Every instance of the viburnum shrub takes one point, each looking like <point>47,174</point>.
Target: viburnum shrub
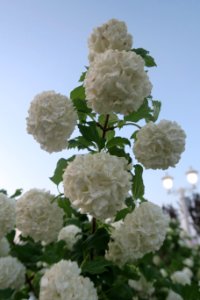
<point>99,238</point>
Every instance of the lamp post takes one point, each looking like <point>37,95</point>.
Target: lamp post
<point>192,178</point>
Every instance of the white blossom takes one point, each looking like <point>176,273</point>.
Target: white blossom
<point>69,234</point>
<point>143,287</point>
<point>173,296</point>
<point>188,262</point>
<point>12,273</point>
<point>143,231</point>
<point>181,277</point>
<point>116,82</point>
<point>38,216</point>
<point>7,214</point>
<point>159,146</point>
<point>63,281</point>
<point>51,120</point>
<point>97,183</point>
<point>110,35</point>
<point>4,247</point>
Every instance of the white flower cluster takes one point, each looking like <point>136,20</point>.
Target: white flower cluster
<point>173,296</point>
<point>4,247</point>
<point>51,120</point>
<point>143,287</point>
<point>143,231</point>
<point>182,277</point>
<point>97,183</point>
<point>116,82</point>
<point>111,35</point>
<point>38,217</point>
<point>70,234</point>
<point>159,146</point>
<point>12,273</point>
<point>63,281</point>
<point>7,214</point>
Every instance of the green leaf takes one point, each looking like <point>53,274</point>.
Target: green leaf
<point>156,109</point>
<point>149,60</point>
<point>144,112</point>
<point>78,93</point>
<point>18,192</point>
<point>118,141</point>
<point>81,106</point>
<point>119,152</point>
<point>82,77</point>
<point>65,204</point>
<point>80,142</point>
<point>113,119</point>
<point>6,294</point>
<point>90,133</point>
<point>120,291</point>
<point>29,254</point>
<point>97,266</point>
<point>98,240</point>
<point>134,135</point>
<point>110,134</point>
<point>3,192</point>
<point>54,252</point>
<point>60,168</point>
<point>138,185</point>
<point>122,213</point>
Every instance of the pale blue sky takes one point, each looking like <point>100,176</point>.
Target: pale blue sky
<point>43,46</point>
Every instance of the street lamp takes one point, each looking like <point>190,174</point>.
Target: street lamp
<point>192,177</point>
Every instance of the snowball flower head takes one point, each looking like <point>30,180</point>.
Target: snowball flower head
<point>38,217</point>
<point>181,277</point>
<point>143,231</point>
<point>12,273</point>
<point>111,35</point>
<point>97,183</point>
<point>51,120</point>
<point>63,281</point>
<point>173,296</point>
<point>7,214</point>
<point>159,146</point>
<point>69,234</point>
<point>116,82</point>
<point>4,247</point>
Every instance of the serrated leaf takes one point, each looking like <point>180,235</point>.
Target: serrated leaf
<point>138,185</point>
<point>60,167</point>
